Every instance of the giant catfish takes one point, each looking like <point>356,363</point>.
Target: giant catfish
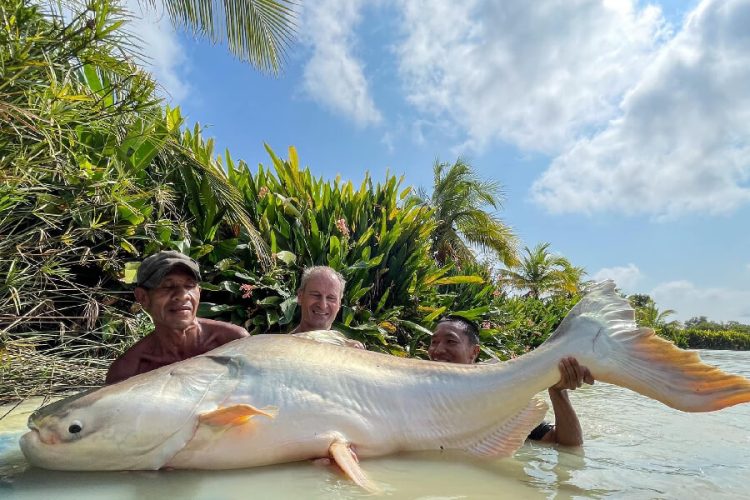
<point>271,399</point>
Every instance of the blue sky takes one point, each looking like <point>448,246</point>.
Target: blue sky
<point>620,130</point>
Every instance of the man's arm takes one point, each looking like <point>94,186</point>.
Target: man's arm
<point>125,366</point>
<point>220,332</point>
<point>567,429</point>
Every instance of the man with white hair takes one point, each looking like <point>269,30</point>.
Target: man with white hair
<point>319,297</point>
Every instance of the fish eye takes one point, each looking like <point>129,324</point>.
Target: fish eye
<point>75,427</point>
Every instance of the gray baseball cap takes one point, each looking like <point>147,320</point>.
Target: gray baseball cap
<point>154,267</point>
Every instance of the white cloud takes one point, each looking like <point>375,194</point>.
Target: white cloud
<point>626,277</point>
<point>535,74</point>
<point>334,76</point>
<point>387,141</point>
<point>717,304</point>
<point>165,58</point>
<point>682,142</point>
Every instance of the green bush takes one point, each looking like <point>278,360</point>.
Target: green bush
<point>79,128</point>
<point>715,339</point>
<point>518,324</point>
<point>374,235</point>
<point>95,174</point>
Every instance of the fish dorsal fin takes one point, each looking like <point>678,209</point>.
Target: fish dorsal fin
<point>235,415</point>
<point>504,439</point>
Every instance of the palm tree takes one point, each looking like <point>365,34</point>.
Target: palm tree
<point>648,314</point>
<point>542,272</point>
<point>257,31</point>
<point>458,201</point>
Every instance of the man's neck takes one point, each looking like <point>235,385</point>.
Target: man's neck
<point>302,328</point>
<point>176,341</point>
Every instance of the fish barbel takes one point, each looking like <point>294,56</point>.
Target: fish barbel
<point>271,399</point>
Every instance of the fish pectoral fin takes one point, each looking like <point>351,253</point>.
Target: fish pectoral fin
<point>235,415</point>
<point>504,439</point>
<point>341,453</point>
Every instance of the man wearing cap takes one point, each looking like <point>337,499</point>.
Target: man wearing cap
<point>168,290</point>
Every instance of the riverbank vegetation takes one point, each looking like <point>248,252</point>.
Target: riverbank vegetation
<point>96,173</point>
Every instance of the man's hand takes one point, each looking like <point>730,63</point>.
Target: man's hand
<point>572,375</point>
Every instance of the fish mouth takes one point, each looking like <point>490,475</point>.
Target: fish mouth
<point>35,434</point>
<point>28,442</point>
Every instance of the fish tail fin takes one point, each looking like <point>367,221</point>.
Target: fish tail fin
<point>602,333</point>
<point>655,367</point>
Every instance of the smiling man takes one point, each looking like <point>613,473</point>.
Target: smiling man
<point>319,298</point>
<point>168,290</point>
<point>456,340</point>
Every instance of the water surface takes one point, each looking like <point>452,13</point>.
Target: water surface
<point>635,448</point>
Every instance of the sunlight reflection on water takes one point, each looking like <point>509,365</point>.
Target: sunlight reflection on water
<point>635,448</point>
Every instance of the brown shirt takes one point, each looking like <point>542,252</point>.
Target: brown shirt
<point>149,353</point>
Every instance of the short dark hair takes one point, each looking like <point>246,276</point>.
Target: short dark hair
<point>470,328</point>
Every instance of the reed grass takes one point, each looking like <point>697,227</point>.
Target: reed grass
<point>26,373</point>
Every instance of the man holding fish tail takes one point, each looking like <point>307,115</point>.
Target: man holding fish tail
<point>456,340</point>
<point>167,287</point>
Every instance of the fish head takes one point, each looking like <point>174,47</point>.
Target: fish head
<point>137,424</point>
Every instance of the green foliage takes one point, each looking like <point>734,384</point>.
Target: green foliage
<point>698,332</point>
<point>703,323</point>
<point>648,314</point>
<point>519,324</point>
<point>93,175</point>
<point>96,174</point>
<point>78,128</point>
<point>540,273</point>
<point>257,31</point>
<point>372,234</point>
<point>458,201</point>
<point>714,339</point>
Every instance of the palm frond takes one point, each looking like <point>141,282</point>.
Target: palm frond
<point>256,31</point>
<point>225,195</point>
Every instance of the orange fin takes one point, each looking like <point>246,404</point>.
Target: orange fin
<point>235,415</point>
<point>655,367</point>
<point>502,441</point>
<point>603,329</point>
<point>342,454</point>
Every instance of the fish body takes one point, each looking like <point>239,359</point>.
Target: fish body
<point>272,399</point>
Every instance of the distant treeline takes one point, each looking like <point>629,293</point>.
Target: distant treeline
<point>700,333</point>
<point>703,323</point>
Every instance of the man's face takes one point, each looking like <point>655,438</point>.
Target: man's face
<point>451,344</point>
<point>320,301</point>
<point>174,303</point>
